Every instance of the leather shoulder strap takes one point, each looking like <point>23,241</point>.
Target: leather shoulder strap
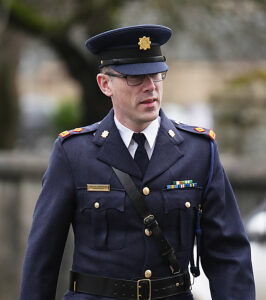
<point>149,220</point>
<point>133,193</point>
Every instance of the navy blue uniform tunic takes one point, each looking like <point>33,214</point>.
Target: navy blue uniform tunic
<point>109,237</point>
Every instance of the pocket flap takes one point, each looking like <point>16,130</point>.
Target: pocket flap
<point>181,199</point>
<point>103,200</point>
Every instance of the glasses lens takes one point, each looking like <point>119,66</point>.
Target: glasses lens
<point>138,79</point>
<point>135,79</point>
<point>163,74</point>
<point>158,76</point>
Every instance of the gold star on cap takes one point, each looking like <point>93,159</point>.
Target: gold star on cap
<point>144,43</point>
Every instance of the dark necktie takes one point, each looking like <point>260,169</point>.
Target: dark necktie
<point>141,156</point>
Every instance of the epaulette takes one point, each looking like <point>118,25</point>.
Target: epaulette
<point>198,130</point>
<point>80,130</point>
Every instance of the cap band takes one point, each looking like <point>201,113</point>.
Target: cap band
<point>124,61</point>
<point>130,56</point>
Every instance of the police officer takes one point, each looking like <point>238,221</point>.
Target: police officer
<point>177,173</point>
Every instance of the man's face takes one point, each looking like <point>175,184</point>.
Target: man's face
<point>136,106</point>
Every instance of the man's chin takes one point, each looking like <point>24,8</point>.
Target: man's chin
<point>149,117</point>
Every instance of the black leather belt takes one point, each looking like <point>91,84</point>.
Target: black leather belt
<point>142,289</point>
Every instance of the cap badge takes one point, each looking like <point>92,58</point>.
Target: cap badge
<point>144,43</point>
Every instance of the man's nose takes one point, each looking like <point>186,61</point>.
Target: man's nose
<point>148,83</point>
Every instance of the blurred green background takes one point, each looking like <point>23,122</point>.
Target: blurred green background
<point>216,78</point>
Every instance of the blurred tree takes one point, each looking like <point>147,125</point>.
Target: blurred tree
<point>66,115</point>
<point>204,29</point>
<point>8,98</point>
<point>63,24</point>
<point>240,115</point>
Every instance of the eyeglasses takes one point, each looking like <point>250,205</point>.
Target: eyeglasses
<point>133,80</point>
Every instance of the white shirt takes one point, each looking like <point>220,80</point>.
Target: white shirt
<point>150,133</point>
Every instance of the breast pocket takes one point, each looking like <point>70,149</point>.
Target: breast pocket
<point>102,219</point>
<point>180,207</point>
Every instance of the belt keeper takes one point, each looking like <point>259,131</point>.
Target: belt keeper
<point>150,221</point>
<point>75,286</point>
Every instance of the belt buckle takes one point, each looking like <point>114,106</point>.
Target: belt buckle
<point>139,287</point>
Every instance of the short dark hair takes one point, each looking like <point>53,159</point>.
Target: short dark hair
<point>105,69</point>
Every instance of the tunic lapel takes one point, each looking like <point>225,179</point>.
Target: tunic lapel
<point>166,151</point>
<point>112,149</point>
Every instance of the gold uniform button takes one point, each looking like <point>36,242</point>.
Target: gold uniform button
<point>148,232</point>
<point>146,191</point>
<point>148,274</point>
<point>187,204</point>
<point>96,204</point>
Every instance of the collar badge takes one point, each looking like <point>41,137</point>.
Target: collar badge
<point>105,134</point>
<point>171,133</point>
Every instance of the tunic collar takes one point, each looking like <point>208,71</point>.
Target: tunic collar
<point>150,132</point>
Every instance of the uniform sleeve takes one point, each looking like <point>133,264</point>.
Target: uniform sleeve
<point>225,251</point>
<point>51,220</point>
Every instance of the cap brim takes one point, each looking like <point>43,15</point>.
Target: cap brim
<point>141,68</point>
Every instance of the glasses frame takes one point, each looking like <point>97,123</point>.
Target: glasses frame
<point>140,76</point>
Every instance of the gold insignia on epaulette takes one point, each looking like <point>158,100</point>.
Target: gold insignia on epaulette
<point>64,133</point>
<point>105,134</point>
<point>144,43</point>
<point>199,129</point>
<point>78,129</point>
<point>212,134</point>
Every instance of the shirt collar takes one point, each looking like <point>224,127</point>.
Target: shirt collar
<point>150,132</point>
<point>126,133</point>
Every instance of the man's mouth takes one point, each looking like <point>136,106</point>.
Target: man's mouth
<point>148,101</point>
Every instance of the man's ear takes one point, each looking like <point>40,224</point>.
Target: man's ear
<point>104,84</point>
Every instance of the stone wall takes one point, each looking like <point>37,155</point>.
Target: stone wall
<point>20,185</point>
